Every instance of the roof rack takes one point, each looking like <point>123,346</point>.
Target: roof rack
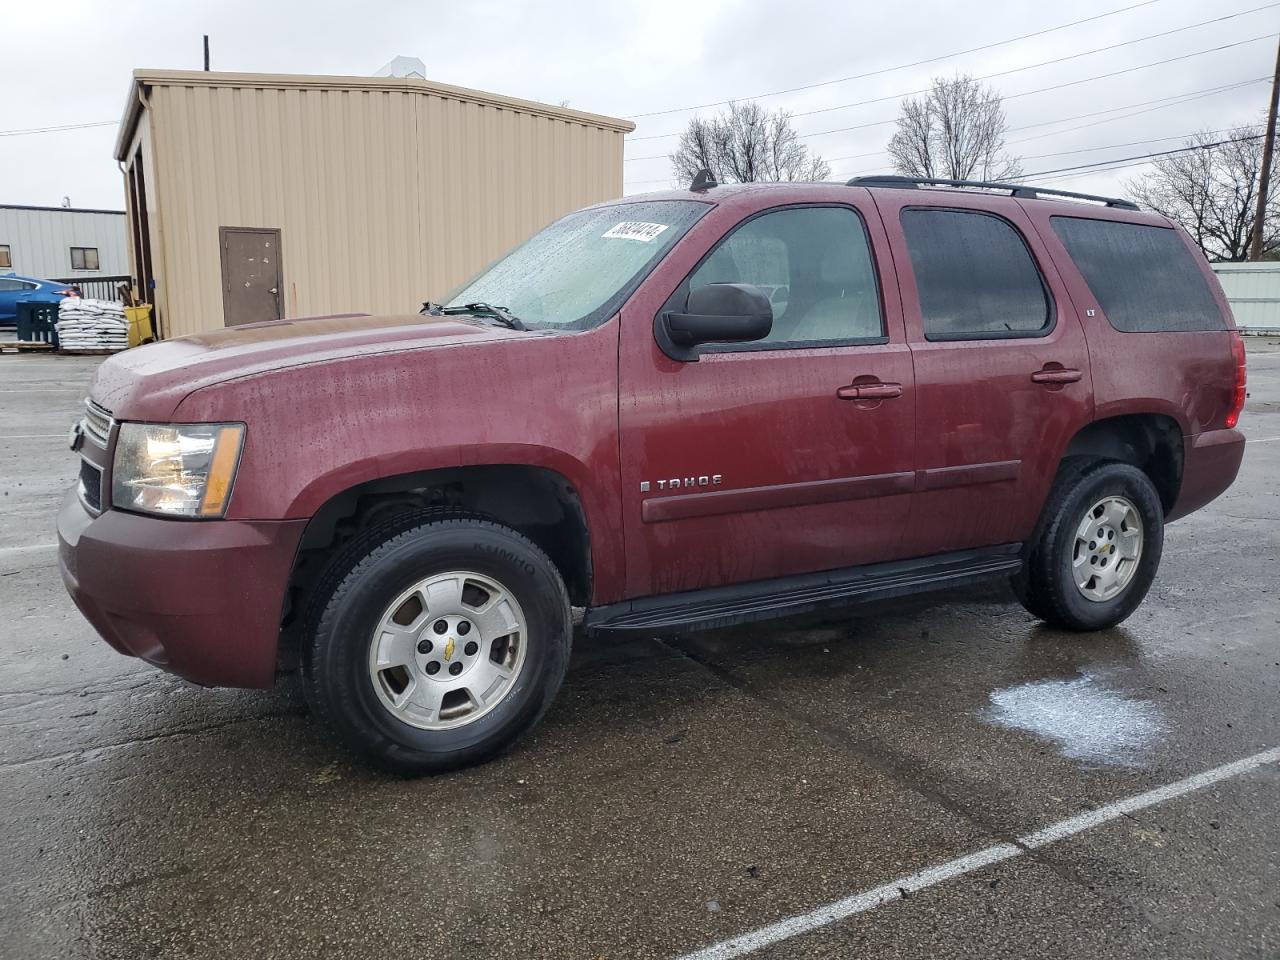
<point>1021,191</point>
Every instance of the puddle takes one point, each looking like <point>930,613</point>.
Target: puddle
<point>1083,717</point>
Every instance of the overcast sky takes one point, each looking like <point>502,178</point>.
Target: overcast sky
<point>65,62</point>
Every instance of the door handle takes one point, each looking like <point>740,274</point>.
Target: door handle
<point>870,391</point>
<point>275,290</point>
<point>1055,373</point>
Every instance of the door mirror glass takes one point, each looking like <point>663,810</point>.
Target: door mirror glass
<point>721,313</point>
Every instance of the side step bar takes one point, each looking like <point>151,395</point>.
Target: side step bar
<point>786,596</point>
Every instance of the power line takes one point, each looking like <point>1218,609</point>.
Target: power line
<point>1063,153</point>
<point>59,129</point>
<point>1012,96</point>
<point>1048,63</point>
<point>1178,100</point>
<point>1162,103</point>
<point>1123,161</point>
<point>1135,160</point>
<point>901,66</point>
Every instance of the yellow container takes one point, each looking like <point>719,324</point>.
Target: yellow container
<point>140,329</point>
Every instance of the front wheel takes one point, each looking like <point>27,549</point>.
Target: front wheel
<point>1099,549</point>
<point>439,644</point>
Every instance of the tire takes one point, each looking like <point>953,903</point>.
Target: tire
<point>368,616</point>
<point>1048,584</point>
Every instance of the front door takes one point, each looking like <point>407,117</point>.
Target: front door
<point>251,275</point>
<point>761,460</point>
<point>1002,369</point>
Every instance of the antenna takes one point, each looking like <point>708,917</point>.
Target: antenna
<point>703,181</point>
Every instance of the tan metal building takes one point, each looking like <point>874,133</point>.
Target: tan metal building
<point>257,196</point>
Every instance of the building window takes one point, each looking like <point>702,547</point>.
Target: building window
<point>5,259</point>
<point>84,258</point>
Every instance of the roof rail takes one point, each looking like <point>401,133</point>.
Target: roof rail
<point>1021,191</point>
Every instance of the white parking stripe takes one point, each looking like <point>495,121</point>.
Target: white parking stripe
<point>33,436</point>
<point>997,853</point>
<point>1263,440</point>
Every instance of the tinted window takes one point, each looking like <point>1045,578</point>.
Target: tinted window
<point>9,286</point>
<point>815,265</point>
<point>1143,277</point>
<point>975,276</point>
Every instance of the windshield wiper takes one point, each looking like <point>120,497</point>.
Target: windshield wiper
<point>501,314</point>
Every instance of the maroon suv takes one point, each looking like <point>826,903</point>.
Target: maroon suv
<point>681,410</point>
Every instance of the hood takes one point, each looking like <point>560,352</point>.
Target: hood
<point>148,383</point>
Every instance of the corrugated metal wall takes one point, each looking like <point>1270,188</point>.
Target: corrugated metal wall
<point>40,241</point>
<point>385,197</point>
<point>1253,290</point>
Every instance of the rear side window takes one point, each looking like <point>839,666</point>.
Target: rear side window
<point>975,276</point>
<point>1144,278</point>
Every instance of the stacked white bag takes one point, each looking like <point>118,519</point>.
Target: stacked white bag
<point>92,325</point>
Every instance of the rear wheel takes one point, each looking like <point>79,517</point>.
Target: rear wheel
<point>438,645</point>
<point>1099,547</point>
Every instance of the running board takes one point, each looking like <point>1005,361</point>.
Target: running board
<point>787,596</point>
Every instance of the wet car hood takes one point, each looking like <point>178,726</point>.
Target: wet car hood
<point>148,383</point>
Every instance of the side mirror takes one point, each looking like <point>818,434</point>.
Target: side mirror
<point>721,313</point>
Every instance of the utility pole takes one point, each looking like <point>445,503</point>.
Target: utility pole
<point>206,70</point>
<point>1268,148</point>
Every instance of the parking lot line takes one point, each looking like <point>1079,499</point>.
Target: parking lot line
<point>32,436</point>
<point>997,853</point>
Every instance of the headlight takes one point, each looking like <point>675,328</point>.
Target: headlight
<point>183,470</point>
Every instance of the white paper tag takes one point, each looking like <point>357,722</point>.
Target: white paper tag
<point>635,230</point>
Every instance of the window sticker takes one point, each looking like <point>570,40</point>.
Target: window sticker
<point>635,230</point>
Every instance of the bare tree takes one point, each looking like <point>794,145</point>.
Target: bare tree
<point>1213,192</point>
<point>746,144</point>
<point>955,131</point>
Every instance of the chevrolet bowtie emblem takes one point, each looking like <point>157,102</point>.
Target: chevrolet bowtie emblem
<point>448,649</point>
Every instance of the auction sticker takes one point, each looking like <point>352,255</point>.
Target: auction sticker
<point>635,230</point>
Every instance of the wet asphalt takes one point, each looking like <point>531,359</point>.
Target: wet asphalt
<point>680,792</point>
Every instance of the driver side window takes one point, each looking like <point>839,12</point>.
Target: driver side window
<point>814,264</point>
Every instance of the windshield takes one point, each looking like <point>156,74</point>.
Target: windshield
<point>575,273</point>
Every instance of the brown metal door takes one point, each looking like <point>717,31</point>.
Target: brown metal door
<point>250,274</point>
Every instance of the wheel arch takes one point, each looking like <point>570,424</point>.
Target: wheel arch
<point>1152,442</point>
<point>538,502</point>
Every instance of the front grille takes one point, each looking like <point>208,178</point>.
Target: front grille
<point>91,486</point>
<point>97,422</point>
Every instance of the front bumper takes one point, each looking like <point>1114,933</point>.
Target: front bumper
<point>201,599</point>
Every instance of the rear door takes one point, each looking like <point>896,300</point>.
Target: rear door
<point>1002,369</point>
<point>758,460</point>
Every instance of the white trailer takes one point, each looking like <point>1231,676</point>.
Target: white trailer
<point>1253,289</point>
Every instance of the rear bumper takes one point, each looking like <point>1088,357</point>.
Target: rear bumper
<point>201,599</point>
<point>1210,463</point>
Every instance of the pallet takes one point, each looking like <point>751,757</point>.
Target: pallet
<point>26,346</point>
<point>91,352</point>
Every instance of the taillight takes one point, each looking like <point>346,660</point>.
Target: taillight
<point>1237,394</point>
